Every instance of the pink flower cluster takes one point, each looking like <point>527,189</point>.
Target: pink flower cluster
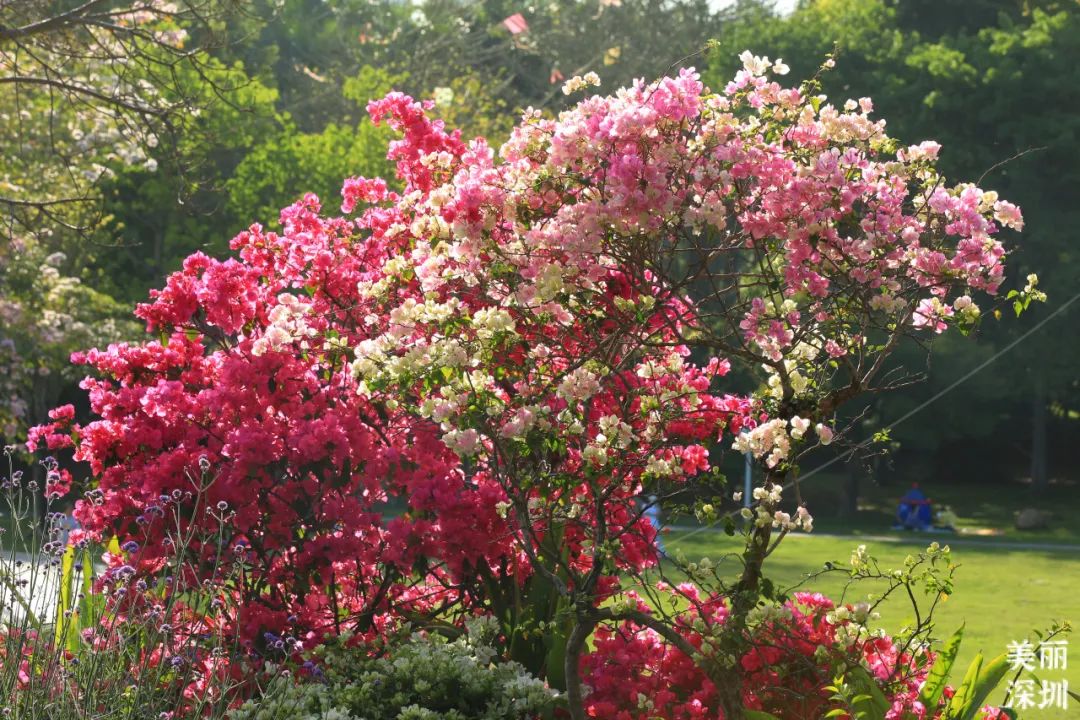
<point>500,353</point>
<point>797,654</point>
<point>304,461</point>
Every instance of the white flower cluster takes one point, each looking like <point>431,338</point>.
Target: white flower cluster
<point>860,558</point>
<point>769,440</point>
<point>549,282</point>
<point>396,354</point>
<point>422,679</point>
<point>851,622</point>
<point>288,324</point>
<point>802,520</point>
<point>490,322</point>
<point>580,82</point>
<point>580,384</point>
<point>886,302</point>
<point>756,65</point>
<point>765,513</point>
<point>768,495</point>
<point>800,355</point>
<point>772,440</point>
<point>768,614</point>
<point>1029,289</point>
<point>659,467</point>
<point>465,442</point>
<point>653,368</point>
<point>595,455</point>
<point>614,432</point>
<point>524,419</point>
<point>405,317</point>
<point>966,309</point>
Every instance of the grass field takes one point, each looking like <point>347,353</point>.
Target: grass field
<point>1002,594</point>
<point>983,511</point>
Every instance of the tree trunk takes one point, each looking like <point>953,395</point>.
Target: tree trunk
<point>1039,477</point>
<point>851,490</point>
<point>731,700</point>
<point>575,695</point>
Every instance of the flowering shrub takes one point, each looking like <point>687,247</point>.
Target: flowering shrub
<point>427,678</point>
<point>800,648</point>
<point>806,658</point>
<point>516,349</point>
<point>79,639</point>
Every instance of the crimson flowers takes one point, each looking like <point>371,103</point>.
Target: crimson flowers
<point>507,351</point>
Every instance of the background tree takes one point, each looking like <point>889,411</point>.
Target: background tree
<point>91,86</point>
<point>96,96</point>
<point>299,123</point>
<point>981,83</point>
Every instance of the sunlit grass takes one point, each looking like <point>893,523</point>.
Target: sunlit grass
<point>1001,595</point>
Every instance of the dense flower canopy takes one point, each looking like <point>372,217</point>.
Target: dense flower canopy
<point>475,376</point>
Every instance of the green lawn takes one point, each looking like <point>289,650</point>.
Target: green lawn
<point>1002,595</point>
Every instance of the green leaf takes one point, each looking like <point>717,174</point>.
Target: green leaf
<point>961,701</point>
<point>939,672</point>
<point>861,680</point>
<point>88,573</point>
<point>64,622</point>
<point>759,715</point>
<point>989,678</point>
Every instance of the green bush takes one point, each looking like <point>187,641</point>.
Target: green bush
<point>426,678</point>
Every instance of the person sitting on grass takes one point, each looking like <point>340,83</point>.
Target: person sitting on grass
<point>914,511</point>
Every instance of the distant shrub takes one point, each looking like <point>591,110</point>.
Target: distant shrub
<point>427,678</point>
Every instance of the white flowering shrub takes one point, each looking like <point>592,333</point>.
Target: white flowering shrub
<point>426,678</point>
